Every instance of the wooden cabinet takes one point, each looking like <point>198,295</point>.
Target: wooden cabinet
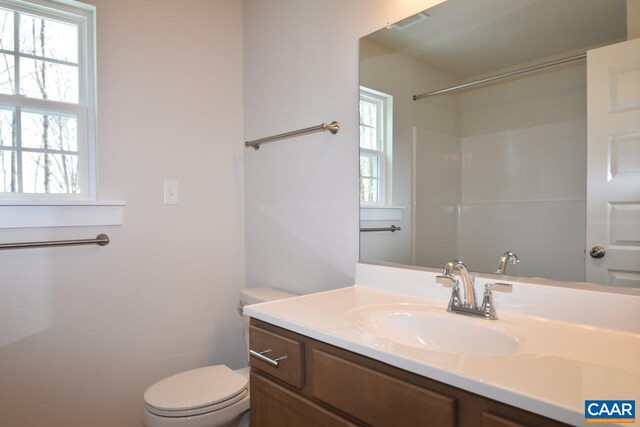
<point>322,385</point>
<point>273,405</point>
<point>490,420</point>
<point>377,398</point>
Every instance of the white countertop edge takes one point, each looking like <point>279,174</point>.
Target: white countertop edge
<point>535,405</point>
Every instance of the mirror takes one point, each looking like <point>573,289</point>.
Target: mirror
<point>494,167</point>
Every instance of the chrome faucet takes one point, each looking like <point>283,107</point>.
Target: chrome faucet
<point>468,304</point>
<point>468,281</point>
<point>506,257</point>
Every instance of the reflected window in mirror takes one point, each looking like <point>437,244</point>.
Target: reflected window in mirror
<point>376,123</point>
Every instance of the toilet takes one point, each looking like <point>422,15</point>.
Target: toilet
<point>213,396</point>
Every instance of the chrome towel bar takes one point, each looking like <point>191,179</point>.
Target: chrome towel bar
<point>501,76</point>
<point>332,127</point>
<point>391,229</point>
<point>100,240</point>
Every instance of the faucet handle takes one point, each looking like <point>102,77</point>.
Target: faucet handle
<point>488,305</point>
<point>447,280</point>
<point>497,286</point>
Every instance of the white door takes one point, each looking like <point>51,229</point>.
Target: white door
<point>613,164</point>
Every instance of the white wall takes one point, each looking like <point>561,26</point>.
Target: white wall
<point>85,330</point>
<point>301,69</point>
<point>437,195</point>
<point>554,95</point>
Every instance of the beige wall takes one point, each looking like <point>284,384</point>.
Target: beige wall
<point>85,330</point>
<point>301,69</point>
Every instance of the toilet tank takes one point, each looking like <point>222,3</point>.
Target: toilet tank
<point>258,295</point>
<point>254,296</point>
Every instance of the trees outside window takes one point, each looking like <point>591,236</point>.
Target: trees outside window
<point>47,125</point>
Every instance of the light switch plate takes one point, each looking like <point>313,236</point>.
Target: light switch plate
<point>171,192</point>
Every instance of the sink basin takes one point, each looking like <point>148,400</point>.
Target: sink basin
<point>435,330</point>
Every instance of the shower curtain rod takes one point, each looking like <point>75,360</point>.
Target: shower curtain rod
<point>501,76</point>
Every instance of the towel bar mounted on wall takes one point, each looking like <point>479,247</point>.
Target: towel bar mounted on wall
<point>391,229</point>
<point>100,240</point>
<point>332,127</point>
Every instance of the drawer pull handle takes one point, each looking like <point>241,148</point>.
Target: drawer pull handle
<point>261,356</point>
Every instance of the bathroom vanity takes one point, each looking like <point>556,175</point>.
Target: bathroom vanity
<point>324,385</point>
<point>386,352</point>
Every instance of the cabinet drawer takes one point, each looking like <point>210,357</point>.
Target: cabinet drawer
<point>274,346</point>
<point>375,398</point>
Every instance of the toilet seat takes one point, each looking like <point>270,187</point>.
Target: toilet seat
<point>198,411</point>
<point>196,392</point>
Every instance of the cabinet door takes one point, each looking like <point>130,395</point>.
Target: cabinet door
<point>377,399</point>
<point>274,406</point>
<point>490,420</point>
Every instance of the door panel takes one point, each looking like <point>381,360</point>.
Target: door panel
<point>613,163</point>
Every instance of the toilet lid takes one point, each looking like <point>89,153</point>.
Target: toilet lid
<point>238,399</point>
<point>196,388</point>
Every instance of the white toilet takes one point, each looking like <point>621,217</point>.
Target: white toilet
<point>213,396</point>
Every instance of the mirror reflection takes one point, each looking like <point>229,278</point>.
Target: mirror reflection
<point>473,140</point>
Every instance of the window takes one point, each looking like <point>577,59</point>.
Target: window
<point>47,101</point>
<point>375,147</point>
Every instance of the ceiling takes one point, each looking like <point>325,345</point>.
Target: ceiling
<point>466,38</point>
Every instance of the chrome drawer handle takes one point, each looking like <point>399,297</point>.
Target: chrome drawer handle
<point>261,356</point>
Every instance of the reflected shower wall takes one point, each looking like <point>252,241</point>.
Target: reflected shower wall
<point>513,178</point>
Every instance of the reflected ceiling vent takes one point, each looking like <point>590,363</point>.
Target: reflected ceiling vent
<point>407,22</point>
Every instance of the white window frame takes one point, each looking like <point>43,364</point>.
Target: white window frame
<point>385,143</point>
<point>82,15</point>
<point>19,210</point>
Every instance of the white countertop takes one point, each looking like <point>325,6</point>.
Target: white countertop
<point>557,367</point>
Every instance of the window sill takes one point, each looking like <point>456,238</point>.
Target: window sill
<point>32,214</point>
<point>381,213</point>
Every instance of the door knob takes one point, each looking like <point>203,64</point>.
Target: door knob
<point>597,252</point>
